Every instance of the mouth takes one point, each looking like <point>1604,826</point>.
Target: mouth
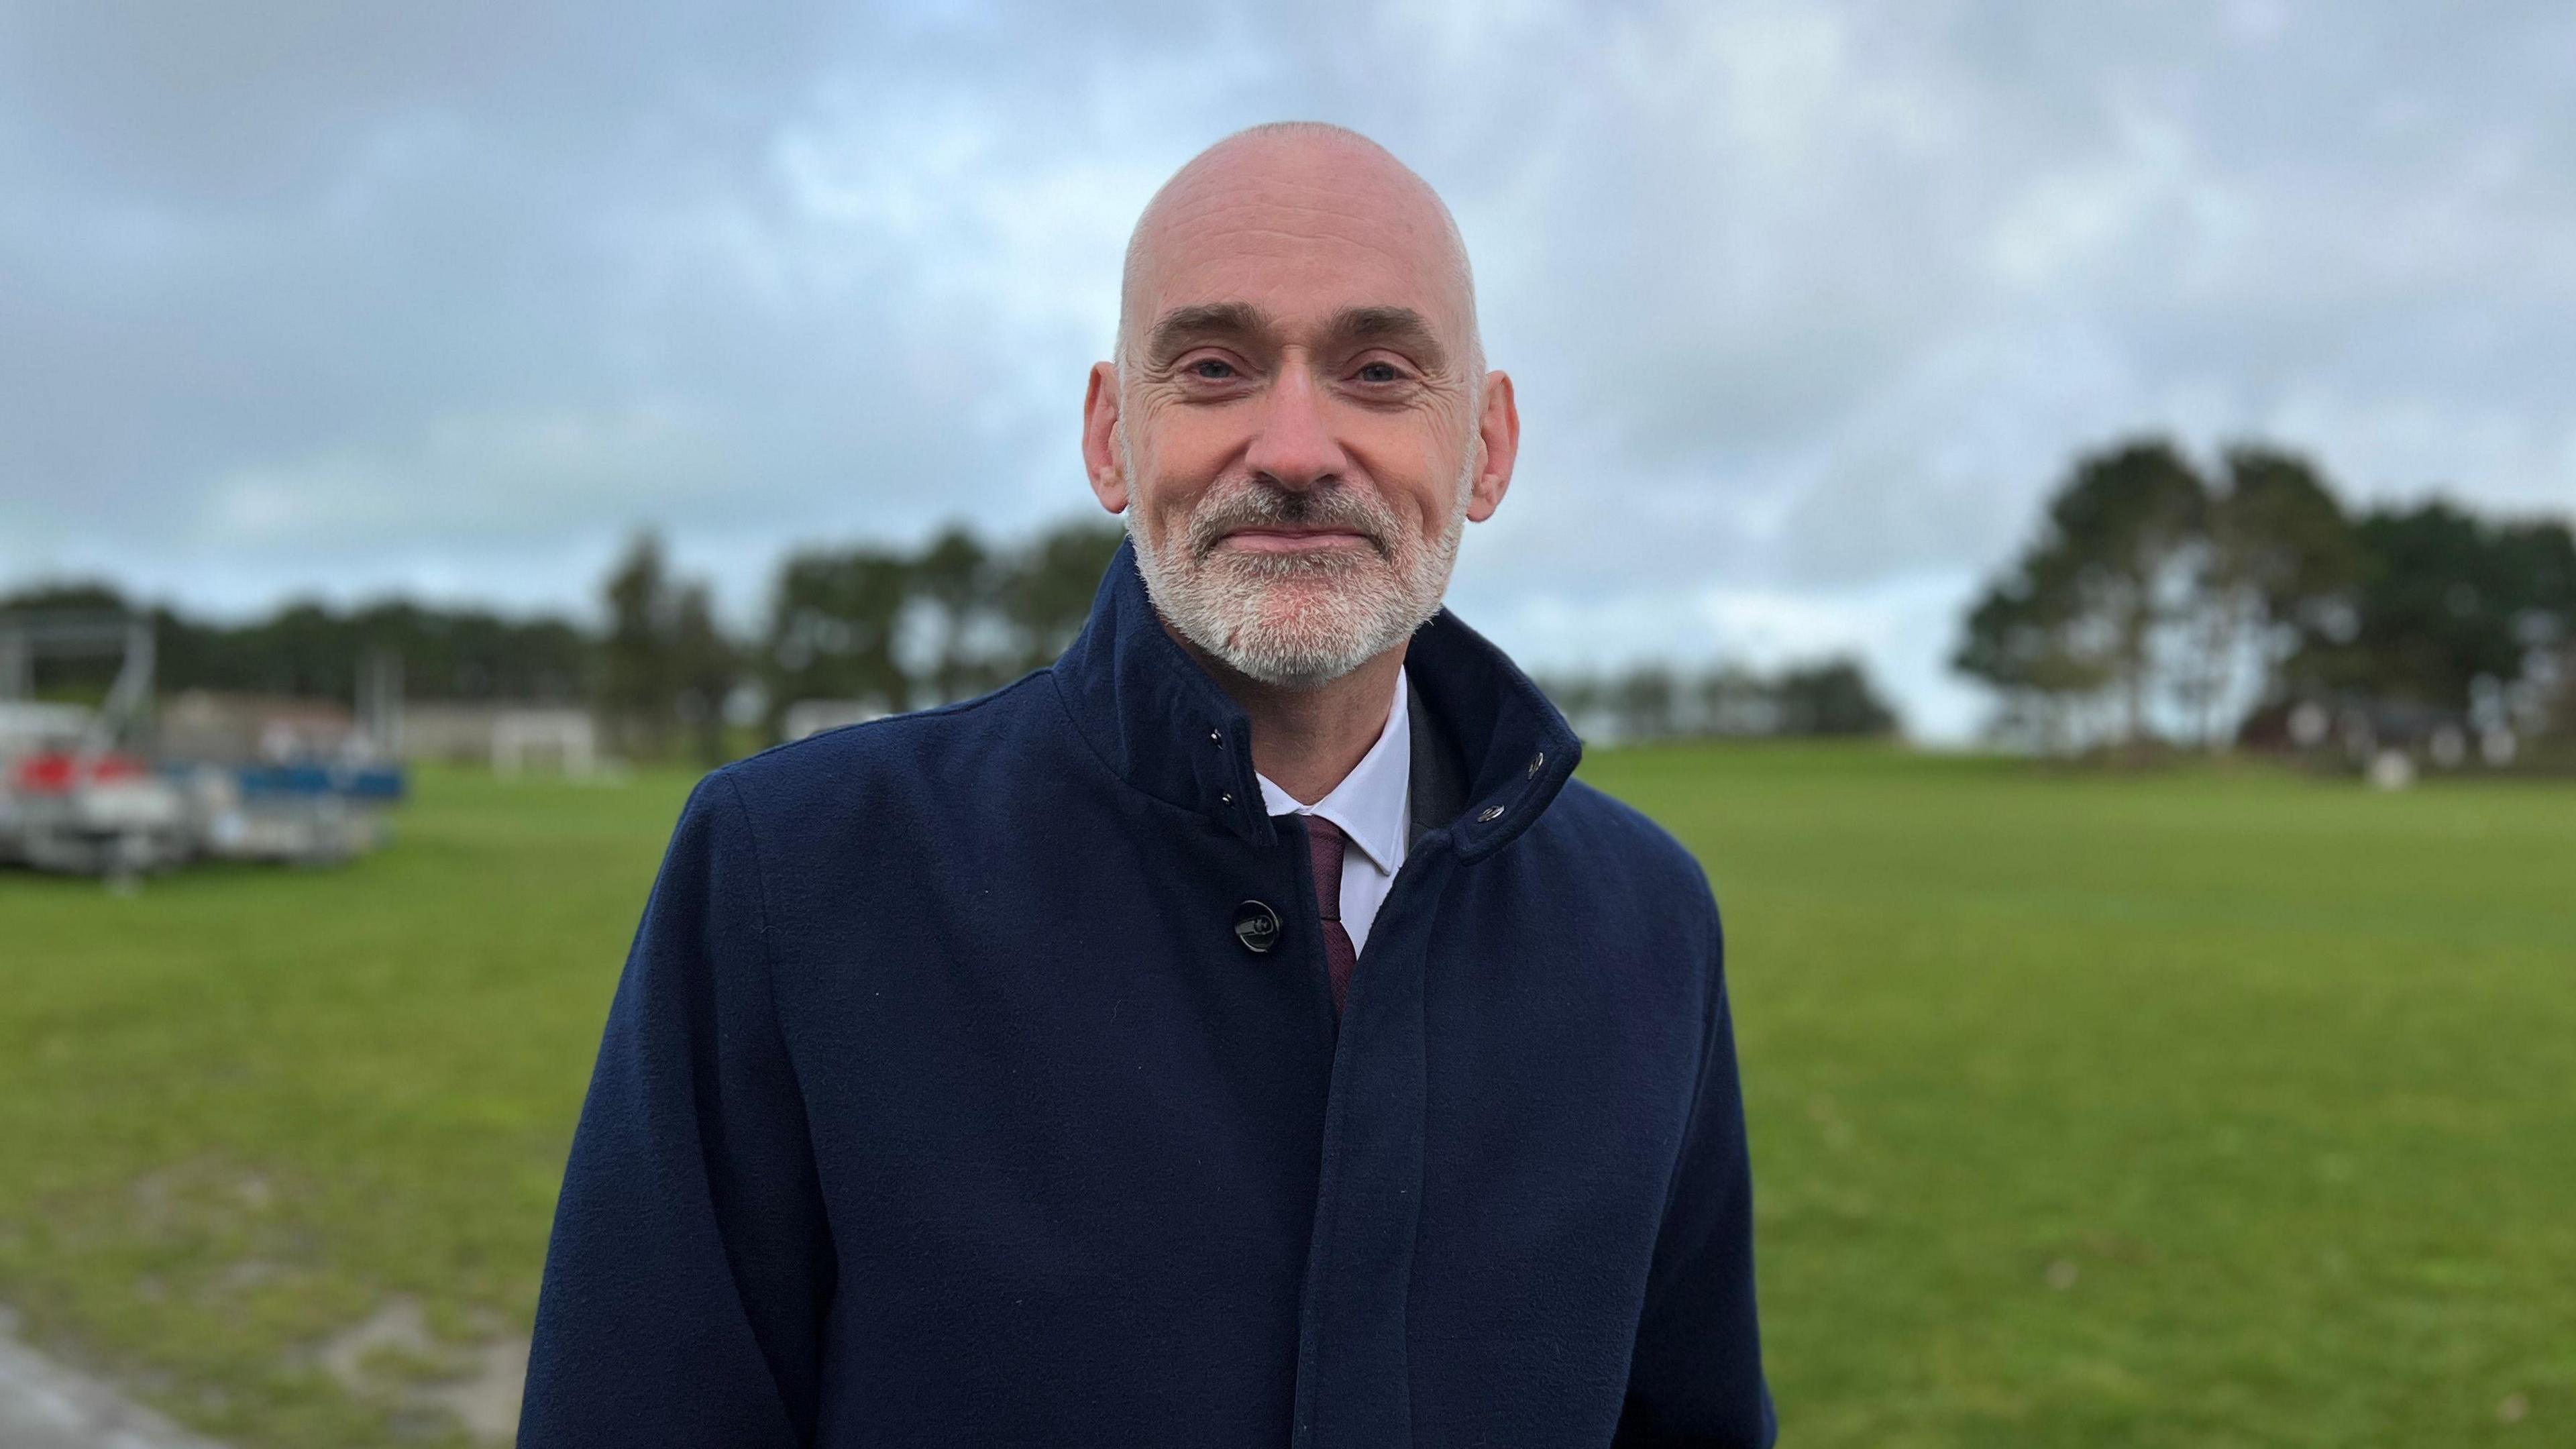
<point>1273,539</point>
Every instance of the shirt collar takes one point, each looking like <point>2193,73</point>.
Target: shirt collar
<point>1369,804</point>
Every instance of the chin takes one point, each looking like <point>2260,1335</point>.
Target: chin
<point>1304,643</point>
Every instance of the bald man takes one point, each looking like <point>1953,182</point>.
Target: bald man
<point>1243,1031</point>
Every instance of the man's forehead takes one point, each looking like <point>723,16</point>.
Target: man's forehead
<point>1296,291</point>
<point>1304,230</point>
<point>1294,258</point>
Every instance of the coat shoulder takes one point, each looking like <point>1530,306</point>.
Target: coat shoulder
<point>1627,834</point>
<point>1614,836</point>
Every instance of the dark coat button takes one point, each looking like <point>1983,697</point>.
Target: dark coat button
<point>1256,926</point>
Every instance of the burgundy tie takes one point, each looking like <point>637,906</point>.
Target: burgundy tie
<point>1324,854</point>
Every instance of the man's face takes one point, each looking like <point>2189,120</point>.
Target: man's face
<point>1298,430</point>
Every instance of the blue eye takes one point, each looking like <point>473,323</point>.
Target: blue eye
<point>1212,369</point>
<point>1380,372</point>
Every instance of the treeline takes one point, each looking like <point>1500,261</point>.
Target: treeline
<point>1654,701</point>
<point>313,651</point>
<point>2161,604</point>
<point>880,627</point>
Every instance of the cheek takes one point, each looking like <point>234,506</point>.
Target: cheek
<point>1178,455</point>
<point>1415,470</point>
<point>1164,484</point>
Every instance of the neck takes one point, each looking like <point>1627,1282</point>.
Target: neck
<point>1307,740</point>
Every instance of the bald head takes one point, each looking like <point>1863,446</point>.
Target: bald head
<point>1300,201</point>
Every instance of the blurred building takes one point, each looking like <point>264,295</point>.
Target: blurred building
<point>507,737</point>
<point>217,726</point>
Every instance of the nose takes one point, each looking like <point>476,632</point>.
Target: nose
<point>1292,440</point>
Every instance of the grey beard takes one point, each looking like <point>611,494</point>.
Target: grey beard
<point>1224,602</point>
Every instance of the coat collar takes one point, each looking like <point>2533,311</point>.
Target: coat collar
<point>1165,727</point>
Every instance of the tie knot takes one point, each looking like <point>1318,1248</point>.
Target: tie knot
<point>1324,855</point>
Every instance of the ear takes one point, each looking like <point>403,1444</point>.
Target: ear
<point>1100,438</point>
<point>1498,432</point>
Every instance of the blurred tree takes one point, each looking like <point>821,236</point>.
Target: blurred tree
<point>2542,555</point>
<point>1829,697</point>
<point>2025,637</point>
<point>955,576</point>
<point>2279,559</point>
<point>2538,558</point>
<point>2146,583</point>
<point>84,596</point>
<point>1643,701</point>
<point>2444,599</point>
<point>639,676</point>
<point>474,654</point>
<point>1832,698</point>
<point>1736,701</point>
<point>2089,605</point>
<point>2125,527</point>
<point>664,663</point>
<point>704,669</point>
<point>308,652</point>
<point>834,618</point>
<point>839,620</point>
<point>1047,593</point>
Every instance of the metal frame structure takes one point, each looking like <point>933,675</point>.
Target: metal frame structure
<point>127,710</point>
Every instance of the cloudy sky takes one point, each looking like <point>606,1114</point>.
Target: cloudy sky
<point>1808,303</point>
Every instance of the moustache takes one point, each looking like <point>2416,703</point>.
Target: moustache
<point>1266,505</point>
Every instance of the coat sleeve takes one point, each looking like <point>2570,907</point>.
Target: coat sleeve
<point>691,1265</point>
<point>1695,1378</point>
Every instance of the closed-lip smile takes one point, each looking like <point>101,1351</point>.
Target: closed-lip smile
<point>1272,539</point>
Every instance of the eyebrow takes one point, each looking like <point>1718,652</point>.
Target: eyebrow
<point>1176,331</point>
<point>1401,327</point>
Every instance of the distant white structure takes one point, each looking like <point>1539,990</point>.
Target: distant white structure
<point>813,716</point>
<point>28,726</point>
<point>2310,723</point>
<point>2392,770</point>
<point>228,728</point>
<point>568,738</point>
<point>509,738</point>
<point>2497,746</point>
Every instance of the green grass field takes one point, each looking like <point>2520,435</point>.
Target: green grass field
<point>2200,1109</point>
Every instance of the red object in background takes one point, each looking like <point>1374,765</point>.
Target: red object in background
<point>58,772</point>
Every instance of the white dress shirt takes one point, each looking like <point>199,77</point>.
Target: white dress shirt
<point>1373,806</point>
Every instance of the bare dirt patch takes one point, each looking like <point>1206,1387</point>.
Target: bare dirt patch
<point>391,1356</point>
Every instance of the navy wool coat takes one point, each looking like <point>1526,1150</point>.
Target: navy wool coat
<point>944,1099</point>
